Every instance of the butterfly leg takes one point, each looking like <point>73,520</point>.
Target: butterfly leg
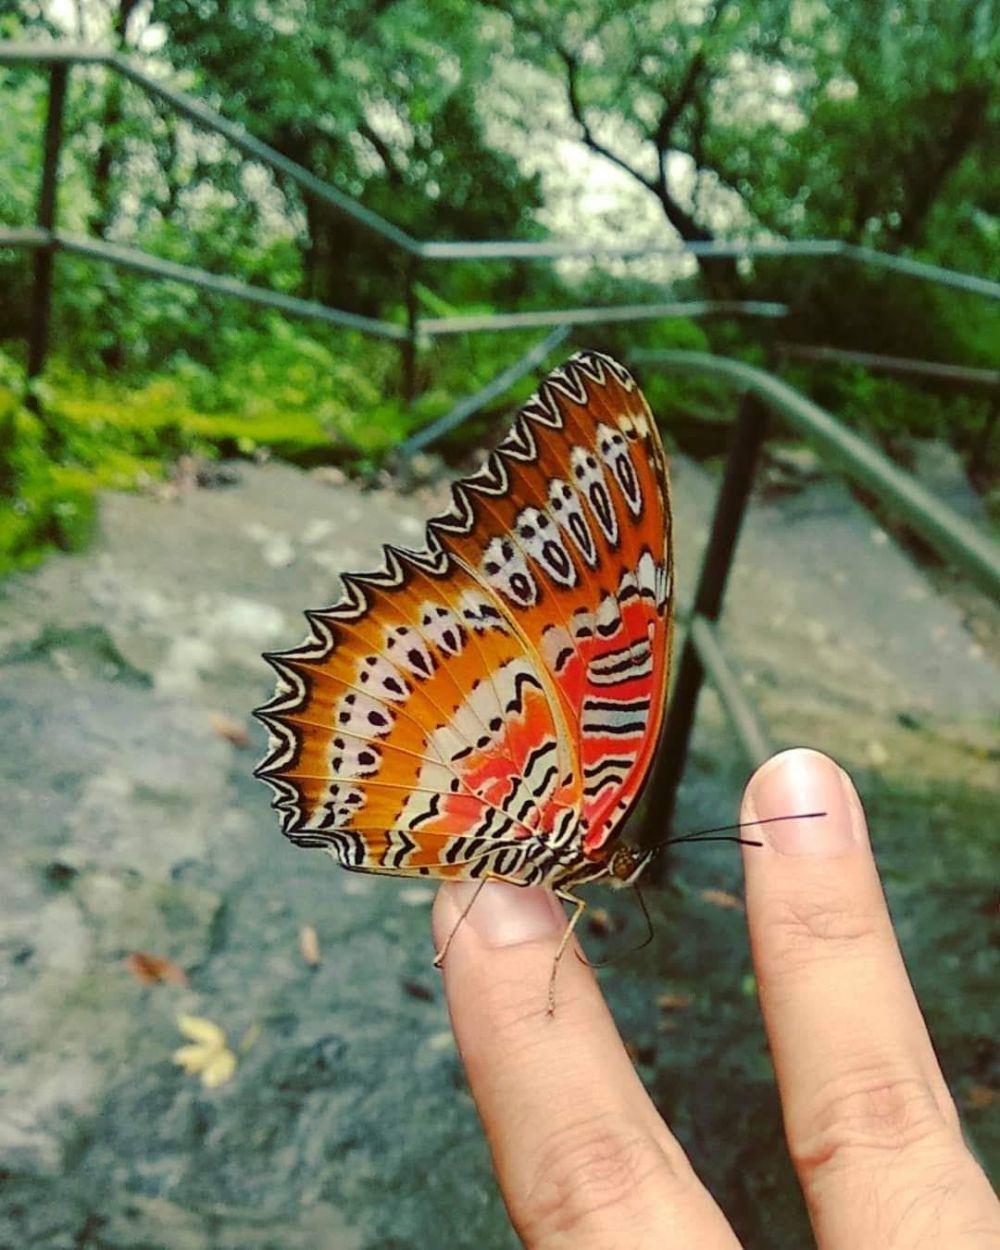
<point>440,956</point>
<point>579,907</point>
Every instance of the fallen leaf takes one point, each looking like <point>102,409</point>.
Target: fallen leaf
<point>309,946</point>
<point>229,729</point>
<point>674,1002</point>
<point>200,1030</point>
<point>723,899</point>
<point>877,755</point>
<point>416,989</point>
<point>152,969</point>
<point>209,1055</point>
<point>979,1097</point>
<point>640,1052</point>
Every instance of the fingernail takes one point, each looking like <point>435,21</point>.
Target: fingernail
<point>506,915</point>
<point>791,786</point>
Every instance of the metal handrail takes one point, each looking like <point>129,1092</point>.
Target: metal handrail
<point>209,119</point>
<point>948,533</point>
<point>61,57</point>
<point>130,258</point>
<point>875,362</point>
<point>958,541</point>
<point>540,318</point>
<point>953,537</point>
<point>497,386</point>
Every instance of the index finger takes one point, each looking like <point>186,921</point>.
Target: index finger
<point>582,1157</point>
<point>872,1129</point>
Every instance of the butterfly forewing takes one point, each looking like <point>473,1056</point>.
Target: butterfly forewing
<point>489,707</point>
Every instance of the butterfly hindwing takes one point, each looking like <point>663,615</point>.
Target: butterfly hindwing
<point>489,706</point>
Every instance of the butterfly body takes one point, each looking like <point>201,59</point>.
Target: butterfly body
<point>489,707</point>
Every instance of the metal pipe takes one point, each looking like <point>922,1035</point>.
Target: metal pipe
<point>156,267</point>
<point>410,343</point>
<point>492,390</point>
<point>753,738</point>
<point>600,316</point>
<point>45,219</point>
<point>746,440</point>
<point>201,115</point>
<point>51,54</point>
<point>921,269</point>
<point>244,142</point>
<point>954,538</point>
<point>514,249</point>
<point>890,364</point>
<point>28,238</point>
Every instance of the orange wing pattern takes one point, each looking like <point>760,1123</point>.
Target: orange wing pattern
<point>489,706</point>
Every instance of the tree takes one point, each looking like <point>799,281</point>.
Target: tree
<point>377,98</point>
<point>795,119</point>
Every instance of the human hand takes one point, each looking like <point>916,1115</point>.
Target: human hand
<point>582,1156</point>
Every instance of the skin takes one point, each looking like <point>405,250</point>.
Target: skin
<point>582,1156</point>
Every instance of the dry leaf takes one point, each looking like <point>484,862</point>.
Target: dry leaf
<point>640,1052</point>
<point>309,946</point>
<point>229,729</point>
<point>723,899</point>
<point>877,754</point>
<point>152,969</point>
<point>979,1097</point>
<point>416,989</point>
<point>674,1002</point>
<point>209,1055</point>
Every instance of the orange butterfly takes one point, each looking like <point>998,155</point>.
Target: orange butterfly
<point>488,708</point>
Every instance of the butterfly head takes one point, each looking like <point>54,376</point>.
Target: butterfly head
<point>627,864</point>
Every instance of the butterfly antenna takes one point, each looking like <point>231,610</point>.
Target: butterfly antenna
<point>721,832</point>
<point>650,934</point>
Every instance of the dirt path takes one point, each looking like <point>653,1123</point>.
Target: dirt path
<point>132,823</point>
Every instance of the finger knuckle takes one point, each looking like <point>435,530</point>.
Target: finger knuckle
<point>867,1113</point>
<point>821,927</point>
<point>587,1170</point>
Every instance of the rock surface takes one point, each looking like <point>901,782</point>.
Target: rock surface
<point>132,824</point>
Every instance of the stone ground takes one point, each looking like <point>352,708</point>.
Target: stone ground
<point>131,823</point>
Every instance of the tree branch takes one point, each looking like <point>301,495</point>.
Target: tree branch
<point>675,107</point>
<point>383,151</point>
<point>932,164</point>
<point>589,138</point>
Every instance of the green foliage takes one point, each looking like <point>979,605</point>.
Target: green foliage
<point>750,120</point>
<point>280,392</point>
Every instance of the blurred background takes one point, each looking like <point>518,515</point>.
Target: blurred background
<point>271,273</point>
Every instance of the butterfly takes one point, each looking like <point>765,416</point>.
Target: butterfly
<point>488,708</point>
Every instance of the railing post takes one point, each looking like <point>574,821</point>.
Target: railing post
<point>747,438</point>
<point>45,218</point>
<point>409,348</point>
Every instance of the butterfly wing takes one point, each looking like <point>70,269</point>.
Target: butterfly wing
<point>480,707</point>
<point>569,524</point>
